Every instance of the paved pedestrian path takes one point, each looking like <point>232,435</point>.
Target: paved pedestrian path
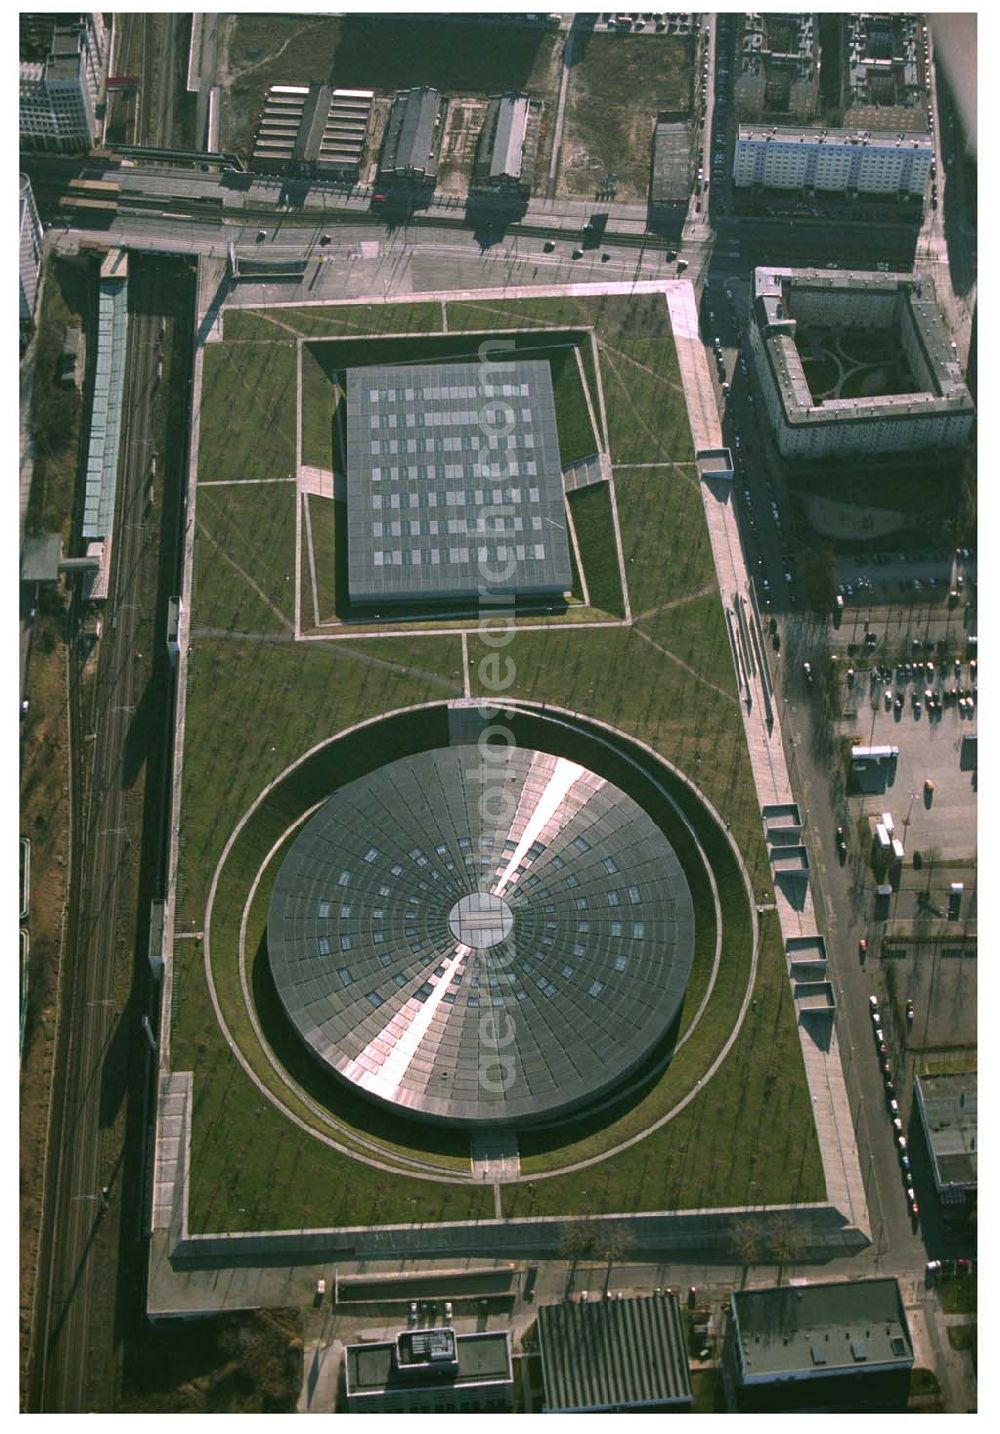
<point>762,724</point>
<point>172,1135</point>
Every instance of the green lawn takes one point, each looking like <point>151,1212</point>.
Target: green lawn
<point>248,411</point>
<point>667,554</point>
<point>591,510</point>
<point>321,517</point>
<point>253,707</point>
<point>333,320</point>
<point>668,681</point>
<point>318,402</point>
<point>245,557</point>
<point>236,1131</point>
<point>958,1294</point>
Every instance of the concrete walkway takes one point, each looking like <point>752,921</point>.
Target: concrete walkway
<point>796,914</point>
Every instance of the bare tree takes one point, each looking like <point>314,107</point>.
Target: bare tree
<point>615,1243</point>
<point>784,1240</point>
<point>746,1245</point>
<point>576,1240</point>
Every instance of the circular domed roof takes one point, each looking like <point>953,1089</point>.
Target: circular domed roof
<point>481,942</point>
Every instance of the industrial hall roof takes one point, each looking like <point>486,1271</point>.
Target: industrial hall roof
<point>613,1355</point>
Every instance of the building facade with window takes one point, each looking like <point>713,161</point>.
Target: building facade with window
<point>60,95</point>
<point>841,161</point>
<point>30,254</point>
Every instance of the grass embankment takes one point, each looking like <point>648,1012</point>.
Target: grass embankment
<point>594,524</point>
<point>668,681</point>
<point>244,577</point>
<point>248,411</point>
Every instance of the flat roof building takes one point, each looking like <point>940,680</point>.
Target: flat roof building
<point>312,130</point>
<point>825,1344</point>
<point>426,1371</point>
<point>935,408</point>
<point>413,137</point>
<point>948,1110</point>
<point>454,482</point>
<point>833,160</point>
<point>504,156</point>
<point>60,94</point>
<point>670,180</point>
<point>778,66</point>
<point>610,1356</point>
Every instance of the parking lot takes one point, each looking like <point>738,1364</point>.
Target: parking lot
<point>939,977</point>
<point>932,746</point>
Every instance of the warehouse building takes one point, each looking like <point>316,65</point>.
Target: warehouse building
<point>427,1371</point>
<point>778,66</point>
<point>936,412</point>
<point>948,1106</point>
<point>312,131</point>
<point>613,1356</point>
<point>825,1346</point>
<point>453,474</point>
<point>412,141</point>
<point>60,94</point>
<point>829,160</point>
<point>505,150</point>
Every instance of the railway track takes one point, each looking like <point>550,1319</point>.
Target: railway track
<point>76,1354</point>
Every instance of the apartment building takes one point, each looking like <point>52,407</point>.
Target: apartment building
<point>859,162</point>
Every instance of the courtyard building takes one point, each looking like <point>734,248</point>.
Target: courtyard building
<point>429,1371</point>
<point>832,160</point>
<point>61,94</point>
<point>845,1344</point>
<point>883,68</point>
<point>947,1105</point>
<point>855,362</point>
<point>778,66</point>
<point>613,1356</point>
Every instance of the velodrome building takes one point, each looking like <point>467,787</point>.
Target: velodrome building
<point>938,413</point>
